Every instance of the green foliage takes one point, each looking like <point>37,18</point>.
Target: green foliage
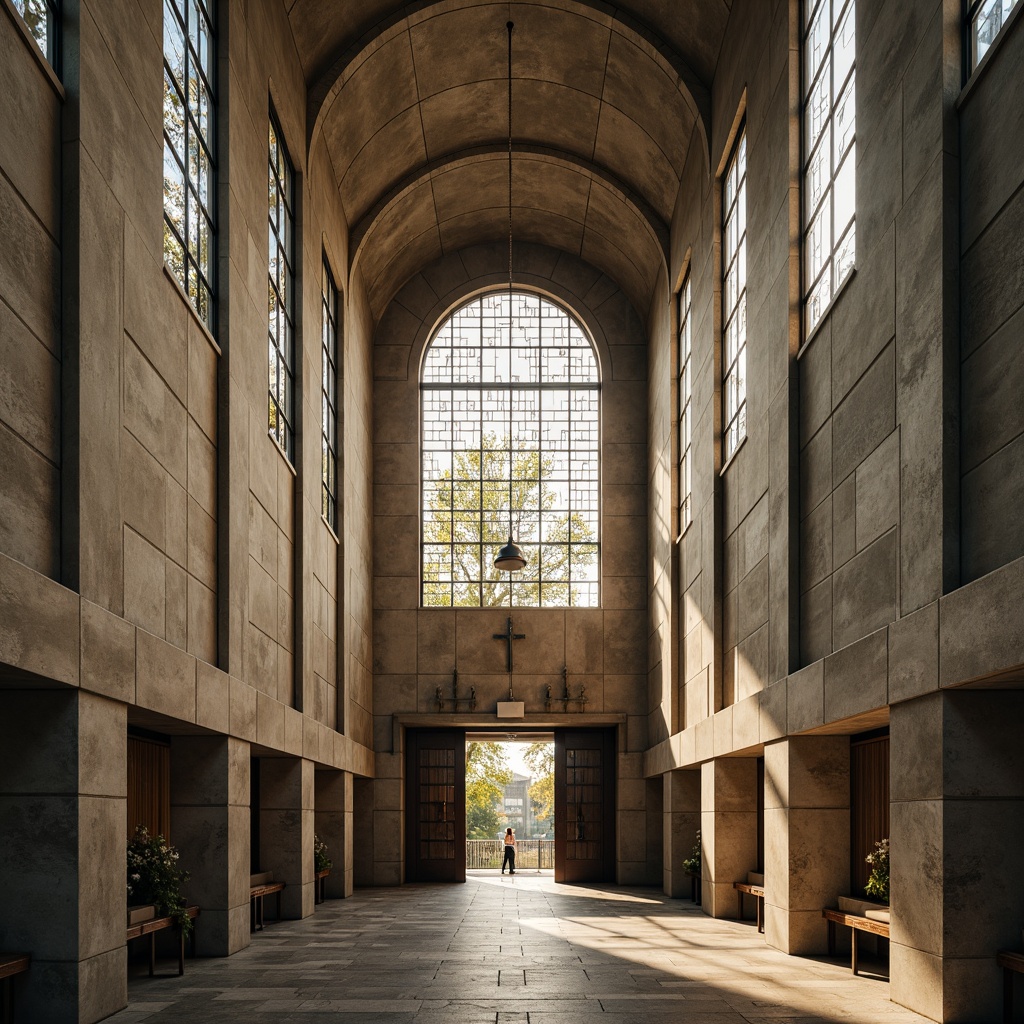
<point>153,876</point>
<point>321,861</point>
<point>487,770</point>
<point>467,508</point>
<point>541,759</point>
<point>692,863</point>
<point>878,881</point>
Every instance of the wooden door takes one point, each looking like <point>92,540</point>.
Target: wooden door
<point>584,805</point>
<point>869,802</point>
<point>435,805</point>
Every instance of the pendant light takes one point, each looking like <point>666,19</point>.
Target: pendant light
<point>510,557</point>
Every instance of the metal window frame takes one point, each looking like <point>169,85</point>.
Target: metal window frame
<point>728,260</point>
<point>281,351</point>
<point>971,9</point>
<point>511,388</point>
<point>50,45</point>
<point>329,396</point>
<point>195,281</point>
<point>808,215</point>
<point>684,424</point>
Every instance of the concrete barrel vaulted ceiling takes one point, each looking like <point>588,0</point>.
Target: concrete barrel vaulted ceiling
<point>411,102</point>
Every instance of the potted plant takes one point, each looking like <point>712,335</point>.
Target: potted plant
<point>320,859</point>
<point>878,881</point>
<point>154,877</point>
<point>692,867</point>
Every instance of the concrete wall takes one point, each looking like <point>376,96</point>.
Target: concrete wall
<point>30,297</point>
<point>991,320</point>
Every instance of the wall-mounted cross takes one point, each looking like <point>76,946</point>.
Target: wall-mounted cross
<point>508,636</point>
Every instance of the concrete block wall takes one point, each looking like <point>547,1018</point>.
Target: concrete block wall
<point>992,310</point>
<point>30,303</point>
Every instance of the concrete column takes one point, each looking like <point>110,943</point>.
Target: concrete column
<point>681,814</point>
<point>333,820</point>
<point>210,828</point>
<point>806,838</point>
<point>286,830</point>
<point>728,830</point>
<point>63,788</point>
<point>957,842</point>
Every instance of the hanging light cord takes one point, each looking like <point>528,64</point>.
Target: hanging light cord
<point>510,25</point>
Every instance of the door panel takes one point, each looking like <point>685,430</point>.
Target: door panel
<point>584,805</point>
<point>435,802</point>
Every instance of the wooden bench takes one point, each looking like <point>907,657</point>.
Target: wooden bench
<point>858,924</point>
<point>757,891</point>
<point>10,965</point>
<point>1011,963</point>
<point>320,885</point>
<point>256,896</point>
<point>157,924</point>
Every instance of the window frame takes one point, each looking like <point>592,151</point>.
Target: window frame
<point>50,46</point>
<point>737,311</point>
<point>329,396</point>
<point>196,214</point>
<point>838,272</point>
<point>497,414</point>
<point>684,404</point>
<point>282,334</point>
<point>971,10</point>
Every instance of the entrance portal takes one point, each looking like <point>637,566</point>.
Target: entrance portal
<point>584,804</point>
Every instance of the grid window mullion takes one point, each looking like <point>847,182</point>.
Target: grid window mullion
<point>474,385</point>
<point>329,424</point>
<point>734,297</point>
<point>189,247</point>
<point>829,245</point>
<point>684,398</point>
<point>281,292</point>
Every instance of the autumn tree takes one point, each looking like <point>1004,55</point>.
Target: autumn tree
<point>541,759</point>
<point>487,771</point>
<point>466,520</point>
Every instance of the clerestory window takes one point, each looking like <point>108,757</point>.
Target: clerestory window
<point>684,391</point>
<point>734,297</point>
<point>189,164</point>
<point>830,152</point>
<point>985,19</point>
<point>42,18</point>
<point>281,293</point>
<point>510,430</point>
<point>329,397</point>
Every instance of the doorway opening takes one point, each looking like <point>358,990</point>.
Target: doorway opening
<point>510,783</point>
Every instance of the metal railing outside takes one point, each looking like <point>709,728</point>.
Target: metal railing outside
<point>535,854</point>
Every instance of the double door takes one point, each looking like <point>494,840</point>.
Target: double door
<point>435,825</point>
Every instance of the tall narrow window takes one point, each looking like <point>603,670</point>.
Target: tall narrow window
<point>830,159</point>
<point>984,20</point>
<point>329,411</point>
<point>734,296</point>
<point>282,293</point>
<point>510,431</point>
<point>42,18</point>
<point>684,392</point>
<point>189,168</point>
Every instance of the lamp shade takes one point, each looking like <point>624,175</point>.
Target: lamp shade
<point>510,558</point>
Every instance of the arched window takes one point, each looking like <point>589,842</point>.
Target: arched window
<point>545,382</point>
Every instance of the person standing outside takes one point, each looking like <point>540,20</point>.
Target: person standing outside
<point>510,852</point>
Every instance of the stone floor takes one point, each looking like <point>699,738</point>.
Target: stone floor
<point>511,950</point>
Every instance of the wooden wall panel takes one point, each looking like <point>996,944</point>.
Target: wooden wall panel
<point>149,786</point>
<point>869,804</point>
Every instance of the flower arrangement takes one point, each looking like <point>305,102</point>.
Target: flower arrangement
<point>154,876</point>
<point>692,863</point>
<point>320,859</point>
<point>878,881</point>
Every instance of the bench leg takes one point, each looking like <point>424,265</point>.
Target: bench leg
<point>1007,996</point>
<point>181,951</point>
<point>8,1016</point>
<point>853,950</point>
<point>759,900</point>
<point>279,904</point>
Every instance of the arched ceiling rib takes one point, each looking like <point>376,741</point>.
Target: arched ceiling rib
<point>410,100</point>
<point>556,202</point>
